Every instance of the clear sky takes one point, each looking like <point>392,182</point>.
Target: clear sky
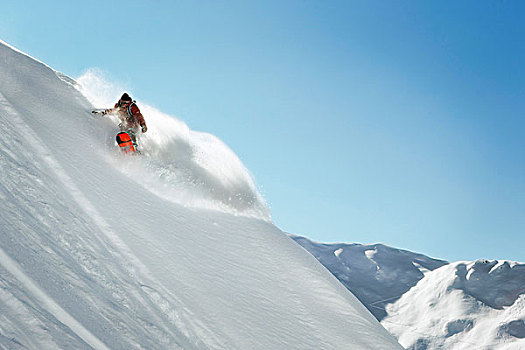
<point>399,122</point>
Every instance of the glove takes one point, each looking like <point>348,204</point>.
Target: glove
<point>144,128</point>
<point>100,111</point>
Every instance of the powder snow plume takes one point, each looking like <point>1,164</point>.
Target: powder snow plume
<point>192,168</point>
<point>93,255</point>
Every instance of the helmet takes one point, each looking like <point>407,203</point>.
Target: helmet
<point>125,100</point>
<point>125,97</point>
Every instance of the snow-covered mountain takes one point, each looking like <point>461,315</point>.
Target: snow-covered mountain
<point>464,305</point>
<point>377,274</point>
<point>172,249</point>
<point>428,303</point>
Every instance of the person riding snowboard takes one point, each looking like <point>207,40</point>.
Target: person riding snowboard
<point>129,115</point>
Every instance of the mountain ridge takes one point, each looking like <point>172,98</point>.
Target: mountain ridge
<point>459,305</point>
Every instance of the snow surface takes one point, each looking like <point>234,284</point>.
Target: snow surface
<point>429,304</point>
<point>464,305</point>
<point>172,249</point>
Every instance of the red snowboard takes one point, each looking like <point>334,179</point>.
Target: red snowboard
<point>125,142</point>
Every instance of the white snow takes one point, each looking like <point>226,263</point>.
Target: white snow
<point>429,304</point>
<point>421,267</point>
<point>464,305</point>
<point>375,273</point>
<point>172,249</point>
<point>370,253</point>
<point>191,168</point>
<point>48,303</point>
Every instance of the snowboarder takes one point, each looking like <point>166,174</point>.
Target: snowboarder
<point>129,115</point>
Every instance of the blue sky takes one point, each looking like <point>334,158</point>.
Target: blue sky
<point>399,122</point>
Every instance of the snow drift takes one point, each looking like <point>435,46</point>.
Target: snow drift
<point>170,250</point>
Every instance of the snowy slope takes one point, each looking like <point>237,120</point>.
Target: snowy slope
<point>375,273</point>
<point>103,251</point>
<point>464,305</point>
<point>427,303</point>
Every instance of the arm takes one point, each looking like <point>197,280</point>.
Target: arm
<point>110,110</point>
<point>105,111</point>
<point>140,118</point>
